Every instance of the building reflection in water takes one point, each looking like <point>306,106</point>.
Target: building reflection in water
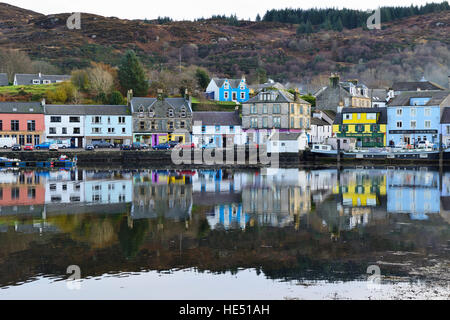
<point>342,200</point>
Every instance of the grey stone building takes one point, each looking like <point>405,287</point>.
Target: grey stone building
<point>346,94</point>
<point>274,110</point>
<point>159,120</point>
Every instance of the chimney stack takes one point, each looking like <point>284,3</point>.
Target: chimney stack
<point>296,94</point>
<point>160,94</point>
<point>129,96</point>
<point>334,80</point>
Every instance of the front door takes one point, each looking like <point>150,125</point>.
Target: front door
<point>407,139</point>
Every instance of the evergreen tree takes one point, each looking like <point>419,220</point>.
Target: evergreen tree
<point>132,75</point>
<point>258,18</point>
<point>115,98</point>
<point>202,78</point>
<point>339,27</point>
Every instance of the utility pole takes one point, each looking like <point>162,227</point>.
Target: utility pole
<point>180,59</point>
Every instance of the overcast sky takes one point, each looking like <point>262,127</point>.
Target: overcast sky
<point>191,9</point>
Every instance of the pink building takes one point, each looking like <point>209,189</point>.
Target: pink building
<point>23,121</point>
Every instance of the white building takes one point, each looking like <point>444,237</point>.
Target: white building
<point>224,129</point>
<point>65,123</point>
<point>83,124</point>
<point>283,142</point>
<point>322,126</point>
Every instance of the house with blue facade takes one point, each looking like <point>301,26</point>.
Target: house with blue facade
<point>414,193</point>
<point>228,90</point>
<point>108,123</point>
<point>416,116</point>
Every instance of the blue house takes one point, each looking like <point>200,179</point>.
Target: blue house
<point>228,90</point>
<point>416,116</point>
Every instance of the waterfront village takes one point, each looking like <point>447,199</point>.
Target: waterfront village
<point>348,115</point>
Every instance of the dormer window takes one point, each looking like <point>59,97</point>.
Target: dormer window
<point>46,81</point>
<point>226,86</point>
<point>141,111</point>
<point>151,112</point>
<point>170,113</point>
<point>36,81</point>
<point>242,86</point>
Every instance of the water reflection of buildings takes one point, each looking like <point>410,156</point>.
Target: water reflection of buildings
<point>233,199</point>
<point>413,192</point>
<point>162,194</point>
<point>361,197</point>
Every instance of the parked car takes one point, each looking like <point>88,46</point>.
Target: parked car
<point>211,145</point>
<point>125,147</point>
<point>89,147</point>
<point>144,146</point>
<point>424,144</point>
<point>185,146</point>
<point>16,147</point>
<point>162,146</point>
<point>173,144</point>
<point>44,145</point>
<point>28,147</point>
<point>102,144</point>
<point>136,146</point>
<point>53,147</point>
<point>7,142</point>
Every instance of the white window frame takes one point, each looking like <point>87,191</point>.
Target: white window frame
<point>225,95</point>
<point>413,124</point>
<point>399,111</point>
<point>36,81</point>
<point>427,112</point>
<point>427,124</point>
<point>401,124</point>
<point>413,112</point>
<point>46,82</point>
<point>242,95</point>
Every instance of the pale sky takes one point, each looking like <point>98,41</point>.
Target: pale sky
<point>191,9</point>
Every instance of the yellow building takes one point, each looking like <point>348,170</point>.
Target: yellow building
<point>367,125</point>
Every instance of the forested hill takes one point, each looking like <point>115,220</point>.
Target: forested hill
<point>336,19</point>
<point>413,44</point>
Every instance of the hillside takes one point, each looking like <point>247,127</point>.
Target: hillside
<point>404,49</point>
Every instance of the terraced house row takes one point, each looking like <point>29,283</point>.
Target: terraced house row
<point>154,121</point>
<point>408,118</point>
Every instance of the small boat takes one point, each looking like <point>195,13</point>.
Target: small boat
<point>323,150</point>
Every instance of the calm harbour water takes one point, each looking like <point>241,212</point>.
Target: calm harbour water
<point>224,234</point>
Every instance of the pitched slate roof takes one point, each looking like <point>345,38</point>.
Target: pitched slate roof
<point>414,85</point>
<point>87,110</point>
<point>214,118</point>
<point>281,96</point>
<point>4,79</point>
<point>234,83</point>
<point>446,115</point>
<point>21,107</point>
<point>403,99</point>
<point>330,113</point>
<point>319,122</point>
<point>288,136</point>
<point>382,111</point>
<point>378,95</point>
<point>160,106</point>
<point>27,79</point>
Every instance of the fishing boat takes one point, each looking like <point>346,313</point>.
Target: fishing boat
<point>323,150</point>
<point>387,153</point>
